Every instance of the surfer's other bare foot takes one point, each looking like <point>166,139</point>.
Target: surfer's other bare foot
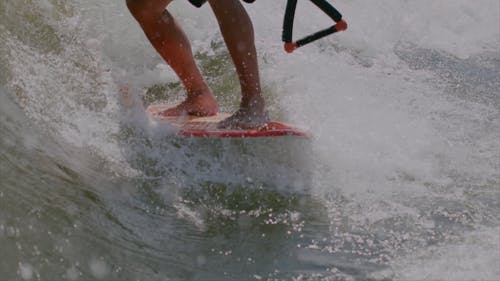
<point>251,114</point>
<point>245,118</point>
<point>203,104</point>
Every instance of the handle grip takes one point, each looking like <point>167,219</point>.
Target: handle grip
<point>328,9</point>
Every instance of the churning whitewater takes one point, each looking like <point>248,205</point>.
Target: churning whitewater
<point>400,182</point>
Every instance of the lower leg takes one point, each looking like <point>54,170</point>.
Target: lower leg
<point>172,44</point>
<point>237,30</point>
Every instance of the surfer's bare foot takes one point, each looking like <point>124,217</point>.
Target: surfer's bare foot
<point>203,104</point>
<point>244,119</point>
<point>251,115</point>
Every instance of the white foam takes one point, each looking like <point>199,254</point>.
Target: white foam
<point>99,268</point>
<point>474,258</point>
<point>26,271</point>
<point>73,273</point>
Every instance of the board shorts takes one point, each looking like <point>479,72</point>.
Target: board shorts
<point>199,3</point>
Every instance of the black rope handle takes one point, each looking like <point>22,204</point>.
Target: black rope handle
<point>328,9</point>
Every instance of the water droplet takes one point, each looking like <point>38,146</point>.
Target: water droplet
<point>26,271</point>
<point>99,268</point>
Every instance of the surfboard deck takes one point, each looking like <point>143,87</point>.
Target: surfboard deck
<point>193,126</point>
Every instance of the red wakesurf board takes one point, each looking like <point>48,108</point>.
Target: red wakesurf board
<point>193,126</point>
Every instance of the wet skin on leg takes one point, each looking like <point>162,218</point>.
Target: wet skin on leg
<point>237,31</point>
<point>172,44</point>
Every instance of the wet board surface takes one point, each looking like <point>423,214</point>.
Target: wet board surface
<point>193,126</point>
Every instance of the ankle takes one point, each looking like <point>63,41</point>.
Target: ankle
<point>195,93</point>
<point>253,102</point>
